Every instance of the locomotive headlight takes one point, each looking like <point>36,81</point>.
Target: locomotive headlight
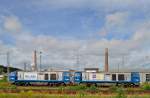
<point>12,78</point>
<point>137,80</point>
<point>66,79</point>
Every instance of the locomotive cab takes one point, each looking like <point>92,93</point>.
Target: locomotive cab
<point>12,77</point>
<point>135,78</point>
<point>66,77</point>
<point>77,77</point>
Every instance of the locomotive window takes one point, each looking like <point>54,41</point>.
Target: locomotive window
<point>46,76</point>
<point>52,76</point>
<point>114,77</point>
<point>77,74</point>
<point>121,77</point>
<point>66,74</point>
<point>147,77</point>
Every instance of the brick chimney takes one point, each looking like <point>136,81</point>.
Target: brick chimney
<point>34,66</point>
<point>106,60</point>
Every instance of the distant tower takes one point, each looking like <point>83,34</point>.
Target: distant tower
<point>34,65</point>
<point>106,60</point>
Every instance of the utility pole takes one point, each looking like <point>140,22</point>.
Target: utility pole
<point>8,65</point>
<point>40,61</point>
<point>25,67</point>
<point>123,57</point>
<point>118,67</point>
<point>34,66</point>
<point>78,59</point>
<point>5,54</point>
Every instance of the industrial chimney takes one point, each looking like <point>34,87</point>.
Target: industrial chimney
<point>34,66</point>
<point>106,60</point>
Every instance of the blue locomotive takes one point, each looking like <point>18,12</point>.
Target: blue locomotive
<point>132,78</point>
<point>29,78</point>
<point>66,77</point>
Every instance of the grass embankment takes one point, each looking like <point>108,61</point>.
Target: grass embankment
<point>31,95</point>
<point>11,91</point>
<point>70,92</point>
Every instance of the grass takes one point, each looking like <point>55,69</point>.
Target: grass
<point>75,88</point>
<point>30,94</point>
<point>80,91</point>
<point>4,85</point>
<point>4,79</point>
<point>120,93</point>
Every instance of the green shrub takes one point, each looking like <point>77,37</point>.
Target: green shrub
<point>121,93</point>
<point>4,79</point>
<point>6,85</point>
<point>113,88</point>
<point>13,87</point>
<point>82,87</point>
<point>146,86</point>
<point>93,88</point>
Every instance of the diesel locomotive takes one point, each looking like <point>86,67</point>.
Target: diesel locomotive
<point>67,77</point>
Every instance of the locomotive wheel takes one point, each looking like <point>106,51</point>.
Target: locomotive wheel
<point>63,84</point>
<point>26,84</point>
<point>95,84</point>
<point>88,84</point>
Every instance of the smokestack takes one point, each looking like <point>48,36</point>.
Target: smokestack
<point>34,66</point>
<point>106,60</point>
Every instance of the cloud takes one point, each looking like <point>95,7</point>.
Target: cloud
<point>12,24</point>
<point>103,32</point>
<point>60,52</point>
<point>116,19</point>
<point>142,35</point>
<point>115,23</point>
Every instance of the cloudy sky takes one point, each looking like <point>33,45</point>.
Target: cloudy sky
<point>72,34</point>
